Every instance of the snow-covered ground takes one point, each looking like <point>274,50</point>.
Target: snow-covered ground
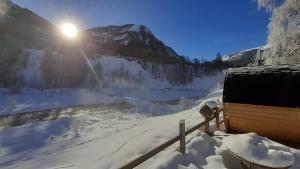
<point>110,138</point>
<point>95,139</point>
<point>33,100</point>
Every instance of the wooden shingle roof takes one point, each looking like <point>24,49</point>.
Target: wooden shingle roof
<point>264,70</point>
<point>264,85</point>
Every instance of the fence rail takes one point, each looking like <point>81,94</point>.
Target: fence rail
<point>163,146</point>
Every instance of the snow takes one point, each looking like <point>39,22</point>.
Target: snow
<point>4,6</point>
<point>284,31</point>
<point>259,150</point>
<point>33,100</point>
<point>122,80</point>
<point>136,76</point>
<point>205,152</point>
<point>240,56</point>
<point>103,139</point>
<point>123,36</point>
<point>125,42</point>
<point>31,74</point>
<point>135,28</point>
<point>110,137</point>
<point>246,57</point>
<point>119,72</point>
<point>198,148</point>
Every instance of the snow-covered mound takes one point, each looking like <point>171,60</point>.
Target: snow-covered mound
<point>259,150</point>
<point>205,152</point>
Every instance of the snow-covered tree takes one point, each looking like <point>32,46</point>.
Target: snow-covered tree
<point>268,4</point>
<point>3,7</point>
<point>284,31</point>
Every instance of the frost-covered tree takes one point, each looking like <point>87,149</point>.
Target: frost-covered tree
<point>284,31</point>
<point>4,5</point>
<point>268,4</point>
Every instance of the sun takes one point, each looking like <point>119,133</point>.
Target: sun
<point>69,30</point>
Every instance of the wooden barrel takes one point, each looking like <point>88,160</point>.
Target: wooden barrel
<point>264,100</point>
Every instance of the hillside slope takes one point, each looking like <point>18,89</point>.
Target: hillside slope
<point>248,57</point>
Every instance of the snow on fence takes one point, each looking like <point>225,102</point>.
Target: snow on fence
<point>180,137</point>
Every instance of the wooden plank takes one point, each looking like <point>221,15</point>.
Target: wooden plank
<point>264,124</point>
<point>259,107</point>
<point>247,128</point>
<point>182,136</point>
<point>245,111</point>
<point>288,119</point>
<point>237,124</point>
<point>287,128</point>
<point>271,112</point>
<point>226,120</point>
<point>288,138</point>
<point>288,115</point>
<point>248,114</point>
<point>189,131</point>
<point>267,119</point>
<point>275,122</point>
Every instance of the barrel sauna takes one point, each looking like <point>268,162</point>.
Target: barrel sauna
<point>264,100</point>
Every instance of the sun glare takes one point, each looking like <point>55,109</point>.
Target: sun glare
<point>69,30</point>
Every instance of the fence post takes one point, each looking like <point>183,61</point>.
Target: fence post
<point>182,136</point>
<point>207,125</point>
<point>217,114</point>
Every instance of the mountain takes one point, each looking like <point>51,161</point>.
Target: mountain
<point>19,29</point>
<point>132,40</point>
<point>35,55</point>
<point>248,57</point>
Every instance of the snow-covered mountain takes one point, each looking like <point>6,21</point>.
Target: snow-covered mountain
<point>132,40</point>
<point>266,55</point>
<point>248,57</point>
<point>35,55</point>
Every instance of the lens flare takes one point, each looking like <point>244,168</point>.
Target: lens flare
<point>69,30</point>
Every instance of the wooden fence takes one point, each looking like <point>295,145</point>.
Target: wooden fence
<point>180,137</point>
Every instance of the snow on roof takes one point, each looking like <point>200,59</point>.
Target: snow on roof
<point>259,150</point>
<point>265,69</point>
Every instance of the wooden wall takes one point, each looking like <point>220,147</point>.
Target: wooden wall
<point>278,123</point>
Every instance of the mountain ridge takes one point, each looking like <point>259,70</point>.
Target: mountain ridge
<point>134,41</point>
<point>33,47</point>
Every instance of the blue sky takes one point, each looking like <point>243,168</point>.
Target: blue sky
<point>194,28</point>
